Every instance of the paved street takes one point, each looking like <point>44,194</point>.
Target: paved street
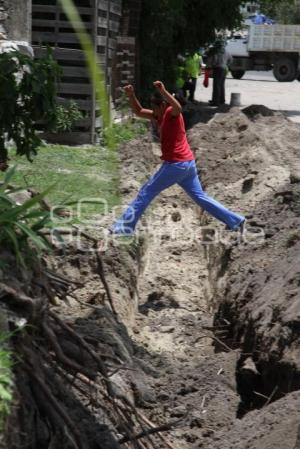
<point>260,88</point>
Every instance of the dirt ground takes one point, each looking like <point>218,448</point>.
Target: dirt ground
<point>252,173</point>
<point>259,88</point>
<point>212,322</point>
<point>208,323</point>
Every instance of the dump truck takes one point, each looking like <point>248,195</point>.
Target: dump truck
<point>267,47</point>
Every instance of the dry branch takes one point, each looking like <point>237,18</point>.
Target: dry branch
<point>162,428</point>
<point>18,296</point>
<point>215,339</point>
<point>100,268</point>
<point>53,402</point>
<point>271,396</point>
<point>66,361</point>
<point>62,279</point>
<point>124,411</point>
<point>162,437</point>
<point>85,304</point>
<point>100,364</point>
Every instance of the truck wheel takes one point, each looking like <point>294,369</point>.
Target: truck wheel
<point>285,69</point>
<point>237,74</point>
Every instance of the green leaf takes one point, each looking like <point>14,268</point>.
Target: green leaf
<point>36,214</point>
<point>13,238</point>
<point>17,211</point>
<point>5,394</point>
<point>10,173</point>
<point>26,99</point>
<point>36,239</point>
<point>41,224</point>
<point>7,200</point>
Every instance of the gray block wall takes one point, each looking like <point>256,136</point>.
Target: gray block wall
<point>15,20</point>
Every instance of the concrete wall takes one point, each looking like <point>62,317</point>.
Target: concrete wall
<point>3,18</point>
<point>15,19</point>
<point>126,69</point>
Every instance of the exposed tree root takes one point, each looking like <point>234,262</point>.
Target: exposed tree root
<point>19,298</point>
<point>61,371</point>
<point>100,265</point>
<point>30,366</point>
<point>62,358</point>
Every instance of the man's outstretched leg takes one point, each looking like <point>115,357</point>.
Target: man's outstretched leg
<point>167,175</point>
<point>191,184</point>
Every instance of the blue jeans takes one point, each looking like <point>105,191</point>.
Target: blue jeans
<point>170,173</point>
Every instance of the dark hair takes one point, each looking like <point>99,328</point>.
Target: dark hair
<point>219,45</point>
<point>157,99</point>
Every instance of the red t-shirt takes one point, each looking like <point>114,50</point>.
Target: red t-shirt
<point>174,144</point>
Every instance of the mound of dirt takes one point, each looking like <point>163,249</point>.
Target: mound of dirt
<point>242,298</point>
<point>252,164</point>
<point>277,426</point>
<point>255,110</point>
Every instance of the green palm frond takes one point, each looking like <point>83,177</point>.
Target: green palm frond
<point>20,224</point>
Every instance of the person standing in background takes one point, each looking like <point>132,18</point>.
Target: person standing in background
<point>219,60</point>
<point>193,65</point>
<point>180,81</point>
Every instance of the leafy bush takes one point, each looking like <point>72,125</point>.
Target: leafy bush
<point>127,130</point>
<point>66,117</point>
<point>27,95</point>
<point>283,11</point>
<point>21,223</point>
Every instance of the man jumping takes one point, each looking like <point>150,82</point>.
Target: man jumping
<point>178,165</point>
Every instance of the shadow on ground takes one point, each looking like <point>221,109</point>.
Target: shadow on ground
<point>200,112</point>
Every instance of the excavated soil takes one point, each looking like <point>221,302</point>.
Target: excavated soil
<point>245,294</point>
<point>208,323</point>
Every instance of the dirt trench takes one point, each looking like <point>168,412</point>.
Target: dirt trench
<point>207,334</point>
<point>212,322</point>
<point>219,317</point>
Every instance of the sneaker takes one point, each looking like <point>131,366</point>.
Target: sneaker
<point>241,228</point>
<point>121,231</point>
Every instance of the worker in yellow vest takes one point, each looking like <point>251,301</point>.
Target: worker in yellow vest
<point>181,78</point>
<point>193,64</point>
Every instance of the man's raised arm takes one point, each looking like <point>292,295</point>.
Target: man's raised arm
<point>136,105</point>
